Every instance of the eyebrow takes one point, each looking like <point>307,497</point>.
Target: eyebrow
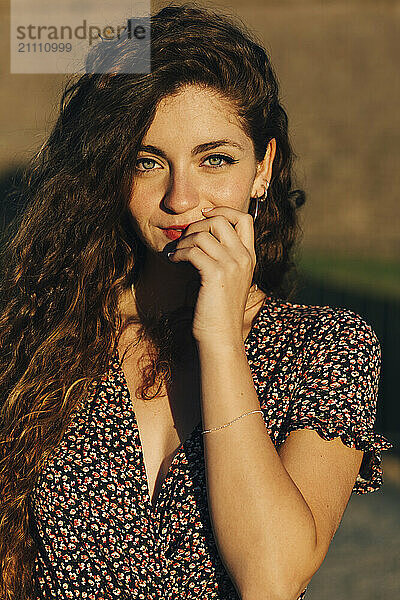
<point>196,150</point>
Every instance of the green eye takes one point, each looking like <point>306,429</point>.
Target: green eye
<point>227,159</point>
<point>144,160</point>
<point>221,157</point>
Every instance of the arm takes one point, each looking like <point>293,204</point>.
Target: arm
<point>271,537</point>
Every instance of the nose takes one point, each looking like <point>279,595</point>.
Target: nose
<point>182,195</point>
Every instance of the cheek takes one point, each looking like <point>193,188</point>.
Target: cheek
<point>235,192</point>
<point>139,207</point>
<point>143,218</point>
<point>138,220</point>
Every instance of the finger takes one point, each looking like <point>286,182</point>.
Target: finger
<point>209,244</point>
<point>199,259</point>
<point>220,228</point>
<point>242,222</point>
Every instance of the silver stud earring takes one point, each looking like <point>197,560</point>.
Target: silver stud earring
<point>261,199</point>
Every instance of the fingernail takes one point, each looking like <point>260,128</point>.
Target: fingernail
<point>206,209</point>
<point>170,253</point>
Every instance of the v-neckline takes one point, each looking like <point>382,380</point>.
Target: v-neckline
<point>153,509</point>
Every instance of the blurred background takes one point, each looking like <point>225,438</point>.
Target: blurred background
<point>337,63</point>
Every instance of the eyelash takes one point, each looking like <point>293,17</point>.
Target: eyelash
<point>228,160</point>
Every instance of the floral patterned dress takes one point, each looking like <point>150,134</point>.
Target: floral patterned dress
<point>98,535</point>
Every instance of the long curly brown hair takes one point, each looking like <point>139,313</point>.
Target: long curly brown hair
<point>72,251</point>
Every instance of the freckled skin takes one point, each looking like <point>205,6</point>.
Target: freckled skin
<point>173,190</point>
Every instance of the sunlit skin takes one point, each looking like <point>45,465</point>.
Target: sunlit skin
<point>173,183</point>
<point>252,487</point>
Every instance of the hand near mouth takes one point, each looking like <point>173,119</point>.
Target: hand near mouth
<point>221,248</point>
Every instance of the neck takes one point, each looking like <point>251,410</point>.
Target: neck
<point>164,287</point>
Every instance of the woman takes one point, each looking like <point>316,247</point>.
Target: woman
<point>172,425</point>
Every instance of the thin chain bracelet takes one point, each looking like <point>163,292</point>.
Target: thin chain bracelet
<point>222,426</point>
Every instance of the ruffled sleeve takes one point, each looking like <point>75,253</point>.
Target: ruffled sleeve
<point>336,393</point>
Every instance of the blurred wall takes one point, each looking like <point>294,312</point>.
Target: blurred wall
<point>337,63</point>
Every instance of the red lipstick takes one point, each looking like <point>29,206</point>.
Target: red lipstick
<point>175,231</point>
<point>173,234</point>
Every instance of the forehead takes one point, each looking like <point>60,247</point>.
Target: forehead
<point>196,111</point>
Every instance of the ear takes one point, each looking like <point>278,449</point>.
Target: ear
<point>264,169</point>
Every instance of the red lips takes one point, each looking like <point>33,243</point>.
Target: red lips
<point>177,226</point>
<point>173,234</point>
